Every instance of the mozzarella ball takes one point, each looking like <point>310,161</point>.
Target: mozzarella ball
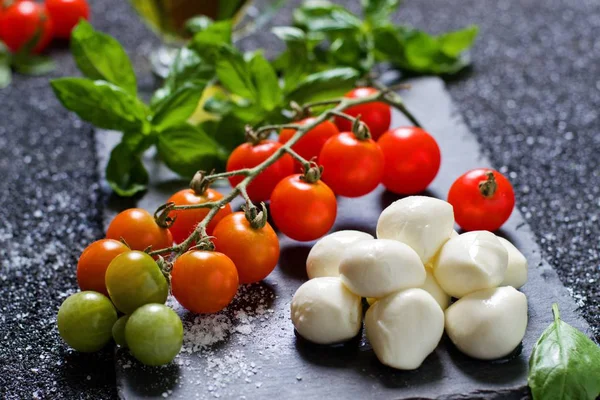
<point>470,262</point>
<point>488,324</point>
<point>432,287</point>
<point>325,312</point>
<point>378,267</point>
<point>423,223</point>
<point>404,328</point>
<point>516,272</point>
<point>325,256</point>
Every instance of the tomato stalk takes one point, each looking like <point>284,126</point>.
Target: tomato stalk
<point>313,171</point>
<point>489,186</point>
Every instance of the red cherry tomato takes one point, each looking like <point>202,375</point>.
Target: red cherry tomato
<point>483,199</point>
<point>254,252</point>
<point>20,22</point>
<point>204,281</point>
<point>139,229</point>
<point>93,262</point>
<point>301,210</point>
<point>312,142</point>
<point>351,167</point>
<point>247,156</point>
<point>186,220</point>
<point>412,159</point>
<point>377,115</point>
<point>66,14</point>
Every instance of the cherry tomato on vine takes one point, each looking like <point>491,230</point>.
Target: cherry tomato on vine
<point>247,156</point>
<point>376,115</point>
<point>186,220</point>
<point>301,210</point>
<point>134,279</point>
<point>312,142</point>
<point>412,159</point>
<point>351,167</point>
<point>154,334</point>
<point>21,22</point>
<point>139,230</point>
<point>85,321</point>
<point>66,14</point>
<point>254,252</point>
<point>93,262</point>
<point>483,199</point>
<point>204,281</point>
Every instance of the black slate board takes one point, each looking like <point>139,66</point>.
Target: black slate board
<point>264,359</point>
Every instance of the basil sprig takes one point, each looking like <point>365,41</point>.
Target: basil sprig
<point>564,364</point>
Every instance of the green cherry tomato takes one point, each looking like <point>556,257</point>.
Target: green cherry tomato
<point>133,279</point>
<point>154,334</point>
<point>85,321</point>
<point>118,331</point>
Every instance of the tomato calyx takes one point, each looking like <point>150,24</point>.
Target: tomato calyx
<point>165,267</point>
<point>488,187</point>
<point>313,173</point>
<point>257,219</point>
<point>360,129</point>
<point>161,215</point>
<point>199,183</point>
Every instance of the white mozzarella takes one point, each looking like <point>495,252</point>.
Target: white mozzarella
<point>325,312</point>
<point>378,267</point>
<point>470,262</point>
<point>423,223</point>
<point>489,323</point>
<point>432,287</point>
<point>325,256</point>
<point>404,328</point>
<point>516,272</point>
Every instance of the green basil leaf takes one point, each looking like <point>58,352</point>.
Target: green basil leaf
<point>198,24</point>
<point>564,364</point>
<point>265,81</point>
<point>229,132</point>
<point>33,64</point>
<point>234,74</point>
<point>324,16</point>
<point>454,43</point>
<point>5,60</point>
<point>125,172</point>
<point>100,56</point>
<point>178,106</point>
<point>378,10</point>
<point>101,103</point>
<point>208,42</point>
<point>323,85</point>
<point>229,8</point>
<point>185,149</point>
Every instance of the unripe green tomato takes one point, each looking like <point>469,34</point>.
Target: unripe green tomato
<point>118,331</point>
<point>133,279</point>
<point>85,321</point>
<point>154,334</point>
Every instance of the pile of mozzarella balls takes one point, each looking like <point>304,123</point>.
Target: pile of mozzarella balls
<point>409,275</point>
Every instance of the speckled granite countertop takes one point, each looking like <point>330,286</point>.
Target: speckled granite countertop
<point>532,99</point>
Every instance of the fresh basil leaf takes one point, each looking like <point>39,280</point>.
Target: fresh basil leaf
<point>379,10</point>
<point>186,149</point>
<point>324,16</point>
<point>5,60</point>
<point>327,84</point>
<point>178,106</point>
<point>218,104</point>
<point>100,56</point>
<point>208,42</point>
<point>228,8</point>
<point>234,74</point>
<point>454,43</point>
<point>229,132</point>
<point>125,172</point>
<point>265,81</point>
<point>33,64</point>
<point>198,24</point>
<point>564,364</point>
<point>350,51</point>
<point>101,103</point>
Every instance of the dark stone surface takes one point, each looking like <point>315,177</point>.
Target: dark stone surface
<point>351,370</point>
<point>532,101</point>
